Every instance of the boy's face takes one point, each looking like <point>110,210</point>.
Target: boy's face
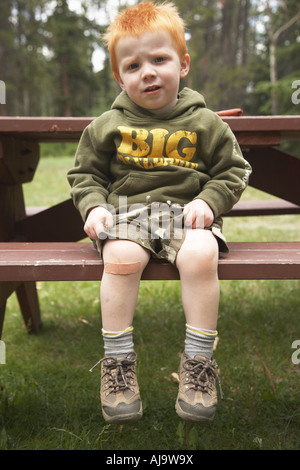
<point>150,70</point>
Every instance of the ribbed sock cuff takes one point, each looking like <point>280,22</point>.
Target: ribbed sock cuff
<point>199,341</point>
<point>118,343</point>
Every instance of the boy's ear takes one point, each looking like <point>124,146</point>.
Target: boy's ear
<point>119,80</point>
<point>185,66</point>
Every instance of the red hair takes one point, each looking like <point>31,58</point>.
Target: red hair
<point>145,17</point>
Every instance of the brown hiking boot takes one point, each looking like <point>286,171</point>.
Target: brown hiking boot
<point>197,396</point>
<point>119,391</point>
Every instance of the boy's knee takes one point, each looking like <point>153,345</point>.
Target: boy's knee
<point>124,257</point>
<point>199,255</point>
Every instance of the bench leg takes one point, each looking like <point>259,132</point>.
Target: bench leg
<point>29,305</point>
<point>6,289</point>
<point>28,301</point>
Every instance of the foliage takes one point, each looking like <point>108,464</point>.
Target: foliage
<point>47,51</point>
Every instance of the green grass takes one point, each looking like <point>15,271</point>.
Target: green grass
<point>50,400</point>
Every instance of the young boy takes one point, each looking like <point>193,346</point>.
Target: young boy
<point>157,145</point>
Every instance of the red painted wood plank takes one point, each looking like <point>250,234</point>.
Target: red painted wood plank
<point>79,261</point>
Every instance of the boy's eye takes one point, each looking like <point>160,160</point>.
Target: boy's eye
<point>159,59</point>
<point>133,66</point>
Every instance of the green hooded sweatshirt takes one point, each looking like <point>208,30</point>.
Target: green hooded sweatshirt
<point>177,156</point>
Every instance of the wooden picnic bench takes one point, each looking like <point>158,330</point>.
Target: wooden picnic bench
<point>35,247</point>
<point>22,264</point>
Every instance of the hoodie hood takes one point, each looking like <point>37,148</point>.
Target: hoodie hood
<point>188,102</point>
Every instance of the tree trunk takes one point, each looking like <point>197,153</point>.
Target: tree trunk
<point>273,77</point>
<point>67,112</point>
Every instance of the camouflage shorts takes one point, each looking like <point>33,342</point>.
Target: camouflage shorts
<point>162,231</point>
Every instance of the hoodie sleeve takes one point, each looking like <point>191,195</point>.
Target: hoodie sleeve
<point>229,175</point>
<point>89,178</point>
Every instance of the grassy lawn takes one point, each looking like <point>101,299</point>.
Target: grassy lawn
<point>50,400</point>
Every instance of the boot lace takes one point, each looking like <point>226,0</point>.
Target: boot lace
<point>119,373</point>
<point>201,372</point>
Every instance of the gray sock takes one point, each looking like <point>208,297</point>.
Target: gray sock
<point>199,341</point>
<point>118,343</point>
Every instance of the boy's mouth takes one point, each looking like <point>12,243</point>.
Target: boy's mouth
<point>152,89</point>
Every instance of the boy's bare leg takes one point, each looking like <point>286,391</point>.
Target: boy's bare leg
<point>124,262</point>
<point>197,262</point>
<point>119,292</point>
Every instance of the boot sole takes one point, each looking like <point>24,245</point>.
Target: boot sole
<point>192,417</point>
<point>123,418</point>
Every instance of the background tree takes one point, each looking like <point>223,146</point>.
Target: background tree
<point>71,41</point>
<point>281,52</point>
<point>22,60</point>
<point>47,50</point>
<point>274,33</point>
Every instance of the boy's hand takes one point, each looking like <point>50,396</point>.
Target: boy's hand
<point>198,214</point>
<point>97,221</point>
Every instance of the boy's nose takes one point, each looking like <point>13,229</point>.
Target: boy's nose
<point>148,72</point>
